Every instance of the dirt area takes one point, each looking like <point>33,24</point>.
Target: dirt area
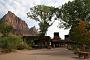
<point>41,54</point>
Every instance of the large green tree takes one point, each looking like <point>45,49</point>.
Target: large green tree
<point>72,12</point>
<point>43,14</point>
<point>75,14</point>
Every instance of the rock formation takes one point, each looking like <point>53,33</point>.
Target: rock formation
<point>20,27</point>
<point>33,31</point>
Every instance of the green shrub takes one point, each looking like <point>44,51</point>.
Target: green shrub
<point>10,42</point>
<point>23,45</point>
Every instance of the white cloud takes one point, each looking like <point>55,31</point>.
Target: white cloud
<point>55,28</point>
<point>55,3</point>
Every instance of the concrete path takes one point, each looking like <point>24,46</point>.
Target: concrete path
<point>41,54</point>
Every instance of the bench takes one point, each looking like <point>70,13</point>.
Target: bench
<point>83,54</point>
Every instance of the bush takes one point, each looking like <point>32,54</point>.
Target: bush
<point>9,43</point>
<point>22,45</point>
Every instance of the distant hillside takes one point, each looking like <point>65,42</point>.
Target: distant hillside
<point>20,27</point>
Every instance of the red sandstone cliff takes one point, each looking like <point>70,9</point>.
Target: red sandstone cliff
<point>20,27</point>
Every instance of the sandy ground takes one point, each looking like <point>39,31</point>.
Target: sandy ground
<point>41,54</point>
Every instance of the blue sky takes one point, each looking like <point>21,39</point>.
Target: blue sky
<point>21,7</point>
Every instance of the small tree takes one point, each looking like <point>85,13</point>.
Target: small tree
<point>80,34</point>
<point>4,28</point>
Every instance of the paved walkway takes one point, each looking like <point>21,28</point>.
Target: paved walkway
<point>41,54</point>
